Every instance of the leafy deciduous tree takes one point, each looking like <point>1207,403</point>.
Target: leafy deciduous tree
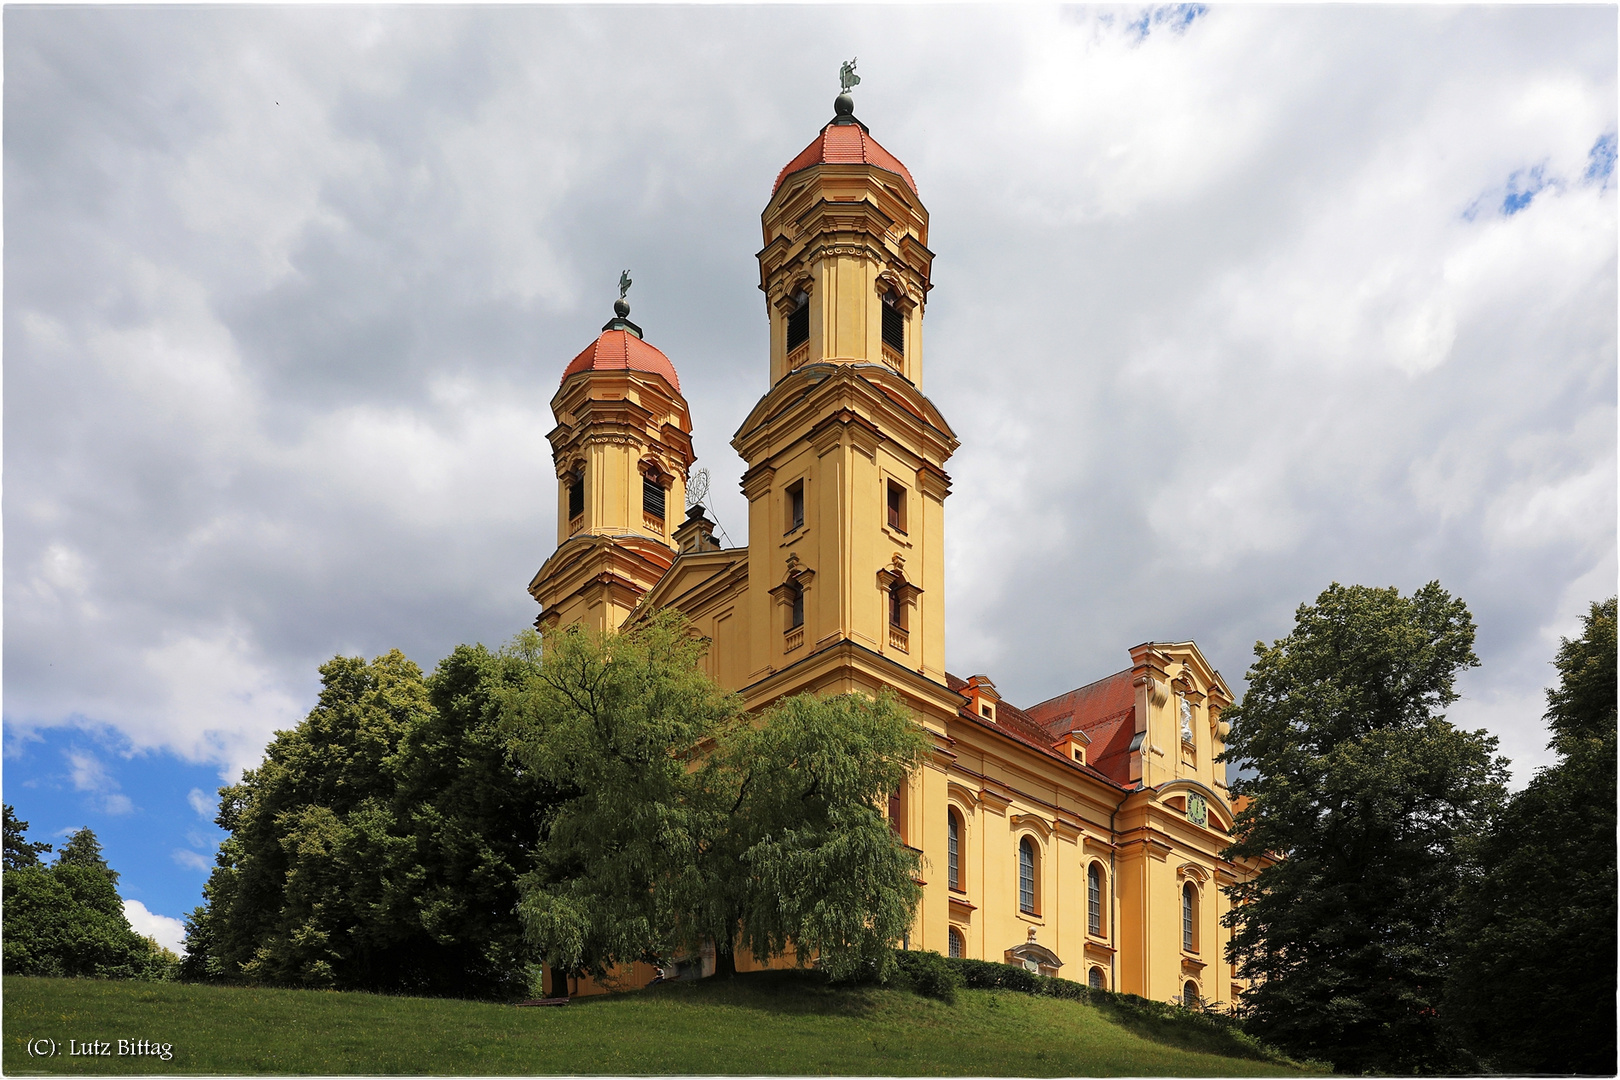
<point>1532,988</point>
<point>379,844</point>
<point>690,822</point>
<point>1363,808</point>
<point>67,919</point>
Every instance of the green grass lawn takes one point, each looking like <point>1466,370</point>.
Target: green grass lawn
<point>775,1022</point>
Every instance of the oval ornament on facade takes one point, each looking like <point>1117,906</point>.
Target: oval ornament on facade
<point>1197,809</point>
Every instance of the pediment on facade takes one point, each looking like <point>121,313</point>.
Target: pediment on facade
<point>1184,661</point>
<point>1174,796</point>
<point>1040,954</point>
<point>695,578</point>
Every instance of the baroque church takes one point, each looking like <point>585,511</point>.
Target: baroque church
<point>1078,836</point>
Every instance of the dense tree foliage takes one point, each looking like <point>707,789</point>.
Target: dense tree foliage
<point>379,844</point>
<point>66,919</point>
<point>1532,988</point>
<point>20,851</point>
<point>1364,807</point>
<point>825,873</point>
<point>691,823</point>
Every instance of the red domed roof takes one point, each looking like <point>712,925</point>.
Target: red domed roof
<point>620,350</point>
<point>845,144</point>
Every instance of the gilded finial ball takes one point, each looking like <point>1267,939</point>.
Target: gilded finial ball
<point>621,309</point>
<point>844,105</point>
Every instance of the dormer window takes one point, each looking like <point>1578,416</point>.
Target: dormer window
<point>798,326</point>
<point>987,711</point>
<point>894,327</point>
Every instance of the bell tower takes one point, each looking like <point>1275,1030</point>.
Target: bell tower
<point>622,449</point>
<point>845,482</point>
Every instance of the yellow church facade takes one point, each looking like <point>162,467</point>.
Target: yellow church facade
<point>1079,836</point>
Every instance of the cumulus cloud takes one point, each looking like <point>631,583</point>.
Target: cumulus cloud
<point>170,933</point>
<point>1230,303</point>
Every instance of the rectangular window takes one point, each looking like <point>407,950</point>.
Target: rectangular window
<point>795,505</point>
<point>897,507</point>
<point>576,495</point>
<point>796,613</point>
<point>652,498</point>
<point>894,329</point>
<point>798,327</point>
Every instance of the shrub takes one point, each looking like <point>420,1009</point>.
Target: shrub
<point>931,974</point>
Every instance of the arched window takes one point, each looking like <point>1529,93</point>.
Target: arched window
<point>1096,979</point>
<point>1189,994</point>
<point>1094,899</point>
<point>1026,876</point>
<point>953,852</point>
<point>956,945</point>
<point>1189,918</point>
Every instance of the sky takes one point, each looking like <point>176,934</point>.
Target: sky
<point>1229,303</point>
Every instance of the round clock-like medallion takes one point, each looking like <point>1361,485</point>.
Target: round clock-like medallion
<point>1197,809</point>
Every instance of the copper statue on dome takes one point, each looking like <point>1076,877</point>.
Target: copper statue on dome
<point>847,79</point>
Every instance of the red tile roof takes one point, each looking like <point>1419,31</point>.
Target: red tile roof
<point>621,350</point>
<point>1020,726</point>
<point>845,144</point>
<point>1106,711</point>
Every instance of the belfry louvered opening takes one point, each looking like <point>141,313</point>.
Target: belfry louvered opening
<point>798,326</point>
<point>894,328</point>
<point>652,498</point>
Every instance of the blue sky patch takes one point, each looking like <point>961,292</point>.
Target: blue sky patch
<point>1600,161</point>
<point>1173,17</point>
<point>1522,187</point>
<point>152,811</point>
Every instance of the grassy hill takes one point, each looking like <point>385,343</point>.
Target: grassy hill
<point>776,1022</point>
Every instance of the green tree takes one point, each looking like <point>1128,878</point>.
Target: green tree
<point>613,721</point>
<point>1532,988</point>
<point>691,823</point>
<point>379,845</point>
<point>19,850</point>
<point>825,874</point>
<point>1364,805</point>
<point>67,919</point>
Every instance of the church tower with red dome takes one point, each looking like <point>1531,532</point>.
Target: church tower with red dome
<point>622,448</point>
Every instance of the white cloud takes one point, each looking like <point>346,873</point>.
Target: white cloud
<point>292,288</point>
<point>191,860</point>
<point>202,803</point>
<point>90,775</point>
<point>168,932</point>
